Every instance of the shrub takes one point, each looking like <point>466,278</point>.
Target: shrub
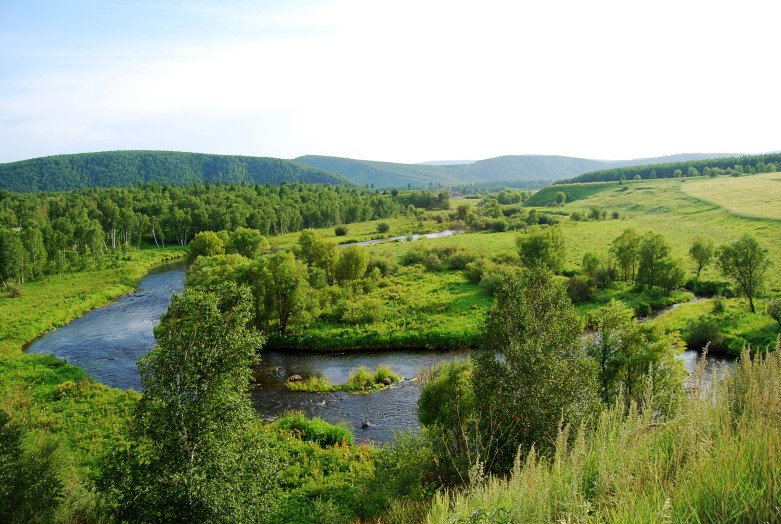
<point>460,259</point>
<point>386,264</point>
<point>708,288</point>
<point>415,255</point>
<point>702,331</point>
<point>774,311</point>
<point>340,231</point>
<point>14,291</point>
<point>578,289</point>
<point>643,309</point>
<point>383,227</point>
<point>366,310</point>
<point>432,262</point>
<point>474,271</point>
<point>577,216</point>
<point>360,379</point>
<point>384,371</point>
<point>719,305</point>
<point>314,430</point>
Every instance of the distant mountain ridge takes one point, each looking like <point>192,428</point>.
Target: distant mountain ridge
<point>123,168</point>
<point>503,168</point>
<point>126,168</point>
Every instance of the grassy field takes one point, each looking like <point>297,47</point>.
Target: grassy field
<point>425,308</point>
<point>55,300</point>
<point>756,196</point>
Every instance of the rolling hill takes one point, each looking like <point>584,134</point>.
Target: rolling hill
<point>503,168</point>
<point>125,168</point>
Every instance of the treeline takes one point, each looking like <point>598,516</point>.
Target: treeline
<point>709,167</point>
<point>71,231</point>
<point>127,168</point>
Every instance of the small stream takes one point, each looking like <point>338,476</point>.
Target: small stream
<point>404,238</point>
<point>106,343</point>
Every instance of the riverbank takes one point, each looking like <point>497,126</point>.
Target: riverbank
<point>54,301</point>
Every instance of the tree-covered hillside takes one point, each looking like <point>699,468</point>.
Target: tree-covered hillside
<point>736,165</point>
<point>509,168</point>
<point>126,168</point>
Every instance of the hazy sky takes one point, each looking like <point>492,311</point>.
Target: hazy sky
<point>405,81</point>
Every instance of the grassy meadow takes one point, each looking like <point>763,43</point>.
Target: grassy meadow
<point>420,307</point>
<point>757,196</point>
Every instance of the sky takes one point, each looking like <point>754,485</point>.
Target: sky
<point>401,81</point>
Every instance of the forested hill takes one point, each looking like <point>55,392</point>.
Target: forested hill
<point>510,168</point>
<point>715,165</point>
<point>126,168</point>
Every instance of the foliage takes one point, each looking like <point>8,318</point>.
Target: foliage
<point>340,231</point>
<point>533,366</point>
<point>383,227</point>
<point>352,264</point>
<point>628,354</point>
<point>542,249</point>
<point>701,253</point>
<point>205,244</point>
<point>668,170</point>
<point>30,487</point>
<point>192,452</point>
<point>716,460</point>
<point>656,267</point>
<point>129,168</point>
<point>774,311</point>
<point>314,429</point>
<point>746,262</point>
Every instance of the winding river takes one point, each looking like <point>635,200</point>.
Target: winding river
<point>106,342</point>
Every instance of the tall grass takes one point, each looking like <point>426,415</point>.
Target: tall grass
<point>717,460</point>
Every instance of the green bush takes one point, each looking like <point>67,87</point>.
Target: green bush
<point>314,430</point>
<point>360,379</point>
<point>340,231</point>
<point>383,227</point>
<point>386,264</point>
<point>703,331</point>
<point>579,289</point>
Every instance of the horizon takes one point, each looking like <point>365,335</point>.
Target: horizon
<point>401,82</point>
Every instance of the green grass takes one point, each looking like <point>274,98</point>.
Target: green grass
<point>55,300</point>
<point>314,429</point>
<point>756,196</point>
<point>737,326</point>
<point>361,380</point>
<point>547,196</point>
<point>717,460</point>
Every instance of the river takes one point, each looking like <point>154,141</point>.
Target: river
<point>106,343</point>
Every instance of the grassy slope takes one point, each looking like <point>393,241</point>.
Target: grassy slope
<point>757,196</point>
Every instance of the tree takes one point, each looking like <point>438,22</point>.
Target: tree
<point>206,244</point>
<point>383,227</point>
<point>625,248</point>
<point>533,367</point>
<point>701,253</point>
<point>195,453</point>
<point>746,262</point>
<point>561,197</point>
<point>542,249</point>
<point>32,240</point>
<point>352,264</point>
<point>628,353</point>
<point>656,267</point>
<point>12,257</point>
<point>286,288</point>
<point>247,242</point>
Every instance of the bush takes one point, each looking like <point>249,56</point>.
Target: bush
<point>474,271</point>
<point>579,289</point>
<point>708,288</point>
<point>383,227</point>
<point>432,262</point>
<point>386,264</point>
<point>702,331</point>
<point>774,311</point>
<point>366,310</point>
<point>576,216</point>
<point>340,231</point>
<point>719,305</point>
<point>460,260</point>
<point>314,430</point>
<point>14,291</point>
<point>360,379</point>
<point>643,309</point>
